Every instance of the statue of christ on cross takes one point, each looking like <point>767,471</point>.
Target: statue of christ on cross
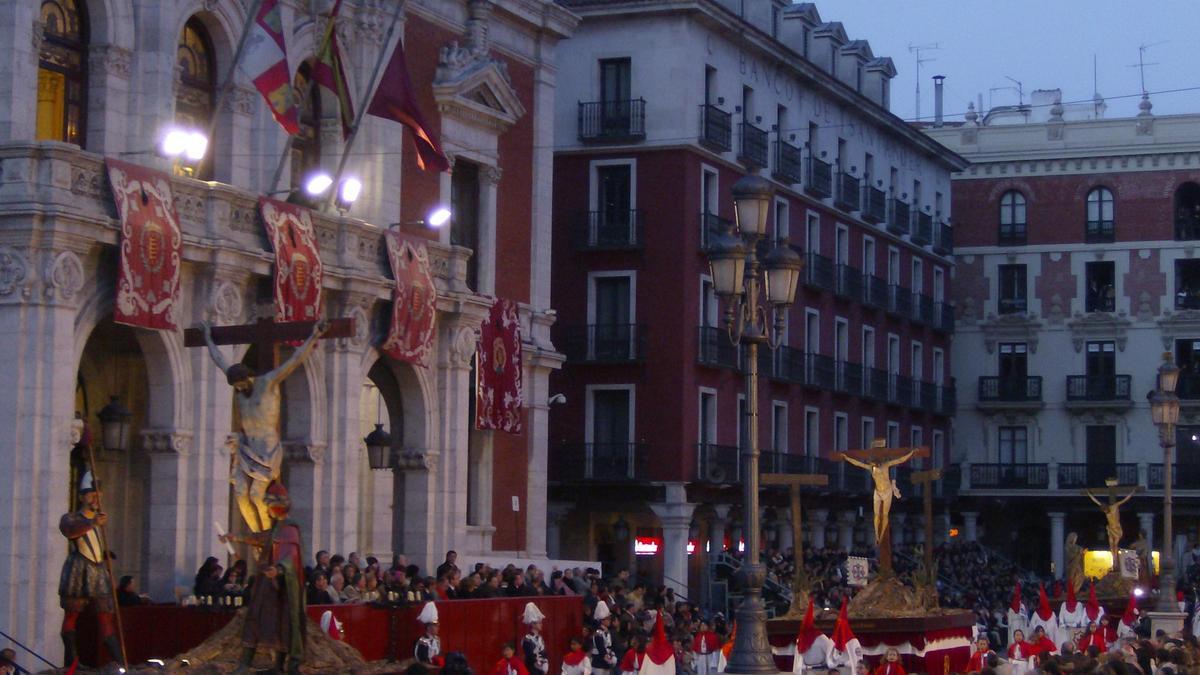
<point>879,460</point>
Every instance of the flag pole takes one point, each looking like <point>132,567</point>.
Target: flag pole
<point>362,109</point>
<point>229,72</point>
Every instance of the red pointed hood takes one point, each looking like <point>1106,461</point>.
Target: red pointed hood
<point>808,631</point>
<point>1130,616</point>
<point>841,630</point>
<point>1015,604</point>
<point>1043,610</point>
<point>1071,601</point>
<point>1093,605</point>
<point>660,650</point>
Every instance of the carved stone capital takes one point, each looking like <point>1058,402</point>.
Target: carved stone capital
<point>492,174</point>
<point>16,282</point>
<point>225,302</point>
<point>415,460</point>
<point>301,452</point>
<point>110,60</point>
<point>462,347</point>
<point>167,442</point>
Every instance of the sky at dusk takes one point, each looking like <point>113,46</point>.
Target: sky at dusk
<point>1042,43</point>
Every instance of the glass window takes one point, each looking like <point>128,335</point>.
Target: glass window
<point>1012,218</point>
<point>62,72</point>
<point>1013,445</point>
<point>1012,289</point>
<point>464,204</point>
<point>1100,215</point>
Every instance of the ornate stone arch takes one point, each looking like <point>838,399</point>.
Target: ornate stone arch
<point>417,390</point>
<point>224,20</point>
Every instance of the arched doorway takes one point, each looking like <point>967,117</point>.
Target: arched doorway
<point>381,497</point>
<point>113,364</point>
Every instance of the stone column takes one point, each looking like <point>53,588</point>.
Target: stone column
<point>675,515</point>
<point>555,515</point>
<point>540,359</point>
<point>1057,521</point>
<point>784,537</point>
<point>167,565</point>
<point>970,523</point>
<point>716,528</point>
<point>817,520</point>
<point>301,474</point>
<point>1146,524</point>
<point>846,520</point>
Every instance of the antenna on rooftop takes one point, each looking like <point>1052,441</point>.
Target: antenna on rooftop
<point>1020,89</point>
<point>1141,64</point>
<point>916,50</point>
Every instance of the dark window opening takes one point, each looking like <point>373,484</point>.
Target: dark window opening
<point>1013,445</point>
<point>306,145</point>
<point>464,204</point>
<point>1101,287</point>
<point>1100,227</point>
<point>1012,289</point>
<point>1187,284</point>
<point>1013,228</point>
<point>1101,454</point>
<point>1187,211</point>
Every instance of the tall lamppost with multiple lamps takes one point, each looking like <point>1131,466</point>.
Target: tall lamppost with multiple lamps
<point>748,284</point>
<point>1164,408</point>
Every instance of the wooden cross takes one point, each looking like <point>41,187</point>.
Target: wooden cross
<point>794,481</point>
<point>1112,514</point>
<point>267,335</point>
<point>879,459</point>
<point>926,478</point>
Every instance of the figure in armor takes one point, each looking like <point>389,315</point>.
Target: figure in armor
<point>84,580</point>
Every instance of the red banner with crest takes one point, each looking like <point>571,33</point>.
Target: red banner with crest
<point>298,270</point>
<point>414,306</point>
<point>499,394</point>
<point>151,246</point>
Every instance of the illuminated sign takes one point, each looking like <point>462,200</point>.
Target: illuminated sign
<point>646,545</point>
<point>692,545</point>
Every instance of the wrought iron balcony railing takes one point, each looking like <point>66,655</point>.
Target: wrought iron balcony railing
<point>602,462</point>
<point>899,219</point>
<point>1098,387</point>
<point>603,343</point>
<point>820,178</point>
<point>716,128</point>
<point>788,162</point>
<point>610,230</point>
<point>874,205</point>
<point>1010,389</point>
<point>848,192</point>
<point>753,149</point>
<point>612,121</point>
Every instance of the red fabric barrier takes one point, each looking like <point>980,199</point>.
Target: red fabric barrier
<point>478,628</point>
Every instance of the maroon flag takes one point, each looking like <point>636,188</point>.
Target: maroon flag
<point>265,62</point>
<point>151,244</point>
<point>498,390</point>
<point>395,100</point>
<point>414,309</point>
<point>330,73</point>
<point>298,270</point>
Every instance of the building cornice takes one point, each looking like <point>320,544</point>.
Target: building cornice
<point>1082,163</point>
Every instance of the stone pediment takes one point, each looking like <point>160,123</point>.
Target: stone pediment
<point>1011,328</point>
<point>1177,325</point>
<point>476,88</point>
<point>1098,326</point>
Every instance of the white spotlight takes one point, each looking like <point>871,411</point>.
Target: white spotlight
<point>438,217</point>
<point>174,142</point>
<point>318,183</point>
<point>196,146</point>
<point>351,189</point>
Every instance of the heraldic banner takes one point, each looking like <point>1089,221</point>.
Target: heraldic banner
<point>498,389</point>
<point>298,270</point>
<point>414,306</point>
<point>151,245</point>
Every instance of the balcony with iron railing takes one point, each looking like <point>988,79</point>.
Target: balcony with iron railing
<point>716,350</point>
<point>900,390</point>
<point>899,301</point>
<point>1098,391</point>
<point>1186,476</point>
<point>922,228</point>
<point>603,343</point>
<point>716,128</point>
<point>752,149</point>
<point>943,241</point>
<point>711,225</point>
<point>924,309</point>
<point>718,464</point>
<point>1099,232</point>
<point>1095,474</point>
<point>849,282</point>
<point>788,162</point>
<point>820,371</point>
<point>945,318</point>
<point>611,230</point>
<point>899,219</point>
<point>1012,393</point>
<point>876,384</point>
<point>874,205</point>
<point>1010,476</point>
<point>848,378</point>
<point>599,462</point>
<point>612,121</point>
<point>820,272</point>
<point>875,291</point>
<point>848,192</point>
<point>820,178</point>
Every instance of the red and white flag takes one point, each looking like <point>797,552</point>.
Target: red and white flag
<point>298,270</point>
<point>151,245</point>
<point>264,60</point>
<point>414,306</point>
<point>330,72</point>
<point>498,389</point>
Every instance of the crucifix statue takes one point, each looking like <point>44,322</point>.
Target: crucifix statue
<point>879,460</point>
<point>794,481</point>
<point>258,453</point>
<point>1112,514</point>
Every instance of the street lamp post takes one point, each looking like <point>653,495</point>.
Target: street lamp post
<point>1164,408</point>
<point>739,276</point>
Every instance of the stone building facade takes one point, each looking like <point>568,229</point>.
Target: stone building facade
<point>485,73</point>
